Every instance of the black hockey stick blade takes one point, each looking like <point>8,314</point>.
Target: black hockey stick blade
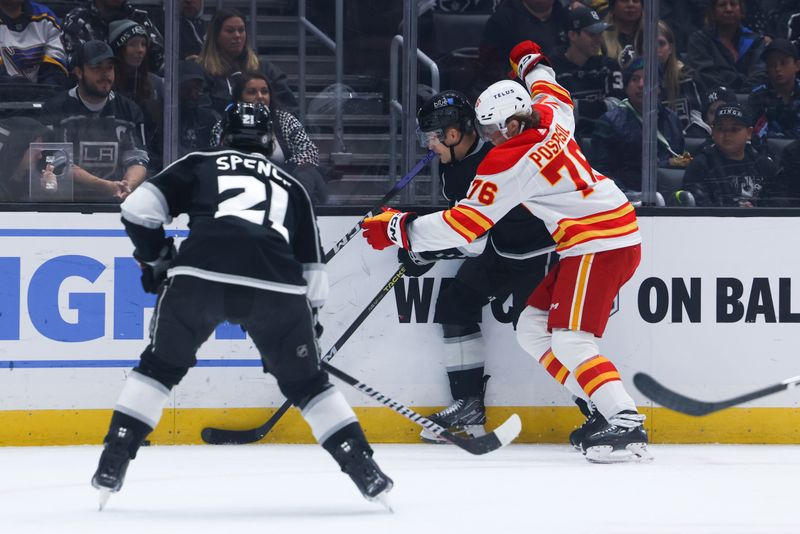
<point>221,436</point>
<point>667,398</point>
<point>401,183</point>
<point>500,437</point>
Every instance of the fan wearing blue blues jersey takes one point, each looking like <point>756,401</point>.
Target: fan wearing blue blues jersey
<point>32,50</point>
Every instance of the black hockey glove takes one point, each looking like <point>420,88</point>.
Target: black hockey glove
<point>318,329</point>
<point>155,272</point>
<point>415,264</point>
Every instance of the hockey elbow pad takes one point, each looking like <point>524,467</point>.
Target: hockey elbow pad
<point>154,272</point>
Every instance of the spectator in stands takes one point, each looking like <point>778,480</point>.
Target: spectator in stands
<point>731,172</point>
<point>715,98</point>
<point>226,55</point>
<point>30,44</point>
<point>106,129</point>
<point>133,79</point>
<point>625,18</point>
<point>684,17</point>
<point>593,79</point>
<point>680,92</point>
<point>789,176</point>
<point>617,138</point>
<point>16,134</point>
<point>90,22</point>
<point>775,106</point>
<point>192,28</point>
<point>295,151</point>
<point>725,52</point>
<point>196,120</point>
<point>542,21</point>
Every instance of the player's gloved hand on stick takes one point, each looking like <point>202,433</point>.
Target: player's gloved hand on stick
<point>388,228</point>
<point>154,272</point>
<point>414,263</point>
<point>525,56</point>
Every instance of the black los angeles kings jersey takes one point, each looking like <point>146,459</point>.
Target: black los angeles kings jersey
<point>250,223</point>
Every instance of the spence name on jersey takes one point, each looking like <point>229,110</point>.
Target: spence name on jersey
<point>256,218</point>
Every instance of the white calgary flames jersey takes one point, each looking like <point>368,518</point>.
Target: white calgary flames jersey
<point>546,172</point>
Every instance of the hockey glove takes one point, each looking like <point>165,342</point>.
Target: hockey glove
<point>525,56</point>
<point>414,263</point>
<point>387,229</point>
<point>154,272</point>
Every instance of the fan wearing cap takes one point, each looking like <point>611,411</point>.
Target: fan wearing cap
<point>106,129</point>
<point>617,138</point>
<point>714,98</point>
<point>775,106</point>
<point>196,118</point>
<point>92,20</point>
<point>731,172</point>
<point>594,80</point>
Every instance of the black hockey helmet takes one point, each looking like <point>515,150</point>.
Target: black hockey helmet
<point>448,109</point>
<point>248,125</point>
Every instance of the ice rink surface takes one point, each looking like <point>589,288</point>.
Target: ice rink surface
<point>286,489</point>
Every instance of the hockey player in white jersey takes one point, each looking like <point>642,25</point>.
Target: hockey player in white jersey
<point>537,162</point>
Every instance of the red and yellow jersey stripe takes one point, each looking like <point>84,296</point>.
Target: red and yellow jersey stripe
<point>595,372</point>
<point>468,222</point>
<point>551,89</point>
<point>608,224</point>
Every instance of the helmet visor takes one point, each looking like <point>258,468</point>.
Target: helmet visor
<point>488,132</point>
<point>426,139</point>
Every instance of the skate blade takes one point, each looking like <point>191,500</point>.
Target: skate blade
<point>105,494</point>
<point>470,431</point>
<point>605,454</point>
<point>384,501</point>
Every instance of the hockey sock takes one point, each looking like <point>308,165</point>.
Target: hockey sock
<point>464,358</point>
<point>137,429</point>
<point>328,414</point>
<point>557,370</point>
<point>600,380</point>
<point>142,398</point>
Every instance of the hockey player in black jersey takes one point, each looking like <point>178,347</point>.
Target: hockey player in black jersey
<point>253,258</point>
<point>510,261</point>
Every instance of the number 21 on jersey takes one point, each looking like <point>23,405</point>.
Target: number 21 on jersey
<point>254,192</point>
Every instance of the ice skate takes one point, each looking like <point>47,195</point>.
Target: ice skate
<point>365,473</point>
<point>464,416</point>
<point>113,464</point>
<point>622,439</point>
<point>594,421</point>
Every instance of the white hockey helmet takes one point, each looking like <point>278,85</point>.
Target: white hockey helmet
<point>496,104</point>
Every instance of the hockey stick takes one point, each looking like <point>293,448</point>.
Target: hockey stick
<point>501,436</point>
<point>220,436</point>
<point>680,403</point>
<point>401,183</point>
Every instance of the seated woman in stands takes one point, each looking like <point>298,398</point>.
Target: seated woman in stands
<point>726,52</point>
<point>226,55</point>
<point>130,43</point>
<point>294,151</point>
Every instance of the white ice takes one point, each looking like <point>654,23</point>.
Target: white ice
<point>286,489</point>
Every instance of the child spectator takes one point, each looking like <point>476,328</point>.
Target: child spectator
<point>226,55</point>
<point>593,80</point>
<point>731,172</point>
<point>776,104</point>
<point>30,44</point>
<point>726,52</point>
<point>192,28</point>
<point>625,18</point>
<point>617,138</point>
<point>714,99</point>
<point>91,21</point>
<point>196,119</point>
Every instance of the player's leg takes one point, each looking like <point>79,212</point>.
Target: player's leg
<point>584,292</point>
<point>281,328</point>
<point>183,319</point>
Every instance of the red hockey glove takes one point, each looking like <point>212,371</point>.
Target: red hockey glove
<point>387,229</point>
<point>525,56</point>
